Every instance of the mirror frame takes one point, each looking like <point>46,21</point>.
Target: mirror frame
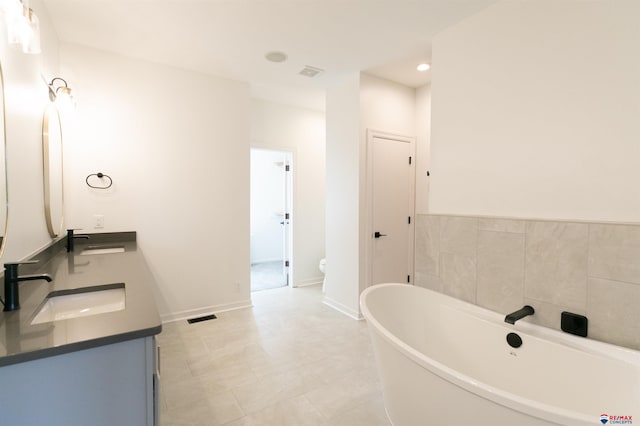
<point>51,113</point>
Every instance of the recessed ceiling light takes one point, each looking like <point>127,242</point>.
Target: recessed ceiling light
<point>276,56</point>
<point>423,66</point>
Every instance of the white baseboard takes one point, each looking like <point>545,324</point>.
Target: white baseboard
<point>342,308</point>
<point>194,313</point>
<point>307,282</point>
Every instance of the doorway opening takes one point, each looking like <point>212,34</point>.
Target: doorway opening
<point>271,202</point>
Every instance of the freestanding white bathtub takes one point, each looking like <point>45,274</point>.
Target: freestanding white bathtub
<point>443,361</point>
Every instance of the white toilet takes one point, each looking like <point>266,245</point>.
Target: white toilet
<point>323,267</point>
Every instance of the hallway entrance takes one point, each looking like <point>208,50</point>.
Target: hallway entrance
<point>271,201</point>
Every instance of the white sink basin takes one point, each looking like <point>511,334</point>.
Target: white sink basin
<point>101,250</point>
<point>81,303</point>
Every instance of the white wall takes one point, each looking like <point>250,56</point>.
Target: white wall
<point>388,107</point>
<point>343,195</point>
<point>176,144</point>
<point>267,205</point>
<point>301,131</point>
<point>379,105</point>
<point>535,112</point>
<point>26,96</point>
<point>423,148</point>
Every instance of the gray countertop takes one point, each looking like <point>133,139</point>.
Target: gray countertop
<point>21,341</point>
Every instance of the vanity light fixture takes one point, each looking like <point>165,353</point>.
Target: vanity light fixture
<point>59,92</point>
<point>423,67</point>
<point>23,26</point>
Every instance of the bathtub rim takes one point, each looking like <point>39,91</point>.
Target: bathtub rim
<point>508,399</point>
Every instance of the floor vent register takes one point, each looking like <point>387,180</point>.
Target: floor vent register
<point>200,319</point>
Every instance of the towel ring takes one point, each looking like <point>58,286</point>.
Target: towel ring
<point>100,176</point>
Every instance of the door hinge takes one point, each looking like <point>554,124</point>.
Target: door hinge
<point>409,220</point>
<point>286,263</point>
<point>409,160</point>
<point>408,279</point>
<point>287,168</point>
<point>286,216</point>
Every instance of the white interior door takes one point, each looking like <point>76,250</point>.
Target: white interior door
<point>392,204</point>
<point>286,220</point>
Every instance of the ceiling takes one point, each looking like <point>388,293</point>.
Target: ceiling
<point>229,38</point>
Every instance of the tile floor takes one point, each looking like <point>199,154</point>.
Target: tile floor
<point>267,275</point>
<point>289,360</point>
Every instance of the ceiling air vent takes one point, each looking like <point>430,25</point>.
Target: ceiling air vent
<point>309,71</point>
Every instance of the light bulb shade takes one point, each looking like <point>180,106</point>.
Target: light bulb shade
<point>64,91</point>
<point>24,31</point>
<point>17,28</point>
<point>10,8</point>
<point>64,98</point>
<point>33,43</point>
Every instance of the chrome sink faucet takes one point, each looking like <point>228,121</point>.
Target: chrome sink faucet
<point>519,314</point>
<point>11,280</point>
<point>71,238</point>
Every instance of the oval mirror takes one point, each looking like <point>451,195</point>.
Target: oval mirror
<point>3,170</point>
<point>52,156</point>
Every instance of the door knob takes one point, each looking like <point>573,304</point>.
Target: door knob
<point>378,235</point>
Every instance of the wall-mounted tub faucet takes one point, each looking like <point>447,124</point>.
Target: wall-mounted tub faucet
<point>519,314</point>
<point>71,238</point>
<point>11,280</point>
